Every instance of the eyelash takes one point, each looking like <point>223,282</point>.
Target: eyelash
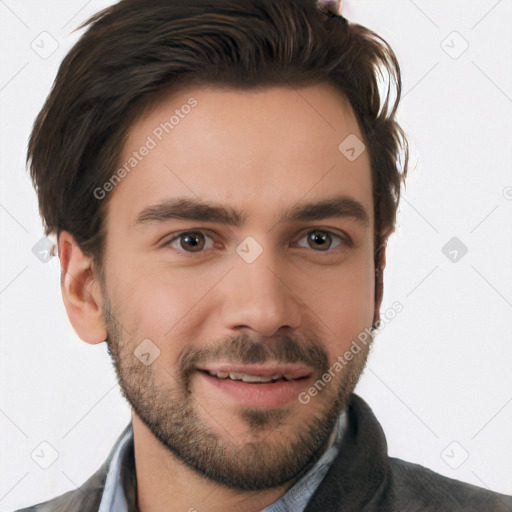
<point>347,242</point>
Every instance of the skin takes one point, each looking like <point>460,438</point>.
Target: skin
<point>259,152</point>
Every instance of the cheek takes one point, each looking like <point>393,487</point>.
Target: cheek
<point>146,301</point>
<point>162,305</point>
<point>344,306</point>
<point>356,295</point>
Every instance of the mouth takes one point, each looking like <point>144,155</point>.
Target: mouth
<point>255,385</point>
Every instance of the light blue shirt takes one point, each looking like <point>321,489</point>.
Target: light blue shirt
<point>294,499</point>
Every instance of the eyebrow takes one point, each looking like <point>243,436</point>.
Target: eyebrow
<point>186,208</point>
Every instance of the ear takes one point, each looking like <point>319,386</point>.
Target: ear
<point>81,291</point>
<point>380,263</point>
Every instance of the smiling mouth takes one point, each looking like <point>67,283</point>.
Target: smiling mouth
<point>252,379</point>
<point>257,373</point>
<point>254,385</point>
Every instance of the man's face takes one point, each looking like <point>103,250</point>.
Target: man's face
<point>263,290</point>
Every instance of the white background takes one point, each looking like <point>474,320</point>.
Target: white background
<point>440,372</point>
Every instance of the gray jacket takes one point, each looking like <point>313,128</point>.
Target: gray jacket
<point>361,478</point>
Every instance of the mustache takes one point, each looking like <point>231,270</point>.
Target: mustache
<point>244,349</point>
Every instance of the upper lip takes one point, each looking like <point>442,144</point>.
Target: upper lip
<point>290,371</point>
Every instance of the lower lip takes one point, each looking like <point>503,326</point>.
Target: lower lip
<point>273,394</point>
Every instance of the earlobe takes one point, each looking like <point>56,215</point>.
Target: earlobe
<point>81,291</point>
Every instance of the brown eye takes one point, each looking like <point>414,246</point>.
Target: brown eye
<point>193,241</point>
<point>190,241</point>
<point>322,240</point>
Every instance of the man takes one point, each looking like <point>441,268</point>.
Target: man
<point>223,178</point>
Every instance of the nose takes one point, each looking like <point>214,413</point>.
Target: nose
<point>260,296</point>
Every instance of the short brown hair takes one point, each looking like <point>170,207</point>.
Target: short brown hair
<point>137,50</point>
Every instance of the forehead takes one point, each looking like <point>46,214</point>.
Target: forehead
<point>256,150</point>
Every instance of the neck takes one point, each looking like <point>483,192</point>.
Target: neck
<point>166,483</point>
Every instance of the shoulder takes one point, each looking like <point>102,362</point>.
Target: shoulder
<point>87,497</point>
<point>68,502</point>
<point>419,488</point>
<point>381,483</point>
<point>84,499</point>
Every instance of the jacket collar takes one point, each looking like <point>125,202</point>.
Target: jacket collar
<point>361,469</point>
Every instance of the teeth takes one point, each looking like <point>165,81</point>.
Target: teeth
<point>247,378</point>
<point>254,378</point>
